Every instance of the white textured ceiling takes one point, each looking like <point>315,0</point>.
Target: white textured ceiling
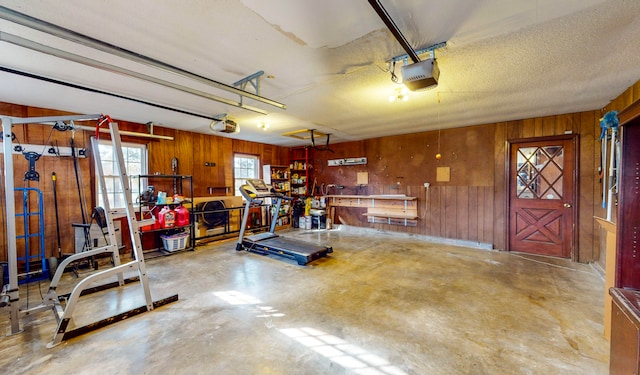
<point>327,61</point>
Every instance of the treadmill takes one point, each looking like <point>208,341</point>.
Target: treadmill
<point>269,243</point>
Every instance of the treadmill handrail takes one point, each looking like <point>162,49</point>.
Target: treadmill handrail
<point>249,194</point>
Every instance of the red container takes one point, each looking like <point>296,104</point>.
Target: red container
<point>166,217</point>
<point>182,216</point>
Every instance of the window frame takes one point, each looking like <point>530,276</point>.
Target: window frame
<point>257,169</point>
<point>134,184</point>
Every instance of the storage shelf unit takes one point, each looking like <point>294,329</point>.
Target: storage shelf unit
<point>150,235</point>
<point>278,177</point>
<point>301,171</point>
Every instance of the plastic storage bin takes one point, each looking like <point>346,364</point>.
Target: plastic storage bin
<point>175,242</point>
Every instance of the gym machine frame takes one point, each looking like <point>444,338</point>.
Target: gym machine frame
<point>9,296</point>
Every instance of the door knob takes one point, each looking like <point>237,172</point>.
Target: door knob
<point>567,205</point>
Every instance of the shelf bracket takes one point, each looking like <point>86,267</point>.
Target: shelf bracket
<point>253,80</point>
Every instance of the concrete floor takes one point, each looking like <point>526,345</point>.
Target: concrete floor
<point>383,303</point>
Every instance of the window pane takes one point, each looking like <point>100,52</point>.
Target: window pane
<point>135,164</point>
<point>540,172</point>
<point>245,166</point>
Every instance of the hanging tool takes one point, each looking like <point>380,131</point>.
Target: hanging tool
<point>31,174</point>
<point>55,205</point>
<point>174,171</point>
<point>603,158</point>
<point>610,121</point>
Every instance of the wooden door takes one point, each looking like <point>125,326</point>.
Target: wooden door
<point>542,196</point>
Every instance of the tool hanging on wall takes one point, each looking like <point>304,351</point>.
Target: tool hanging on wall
<point>54,179</point>
<point>174,171</point>
<point>31,174</point>
<point>610,185</point>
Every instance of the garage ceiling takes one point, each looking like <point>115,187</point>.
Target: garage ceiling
<point>327,61</point>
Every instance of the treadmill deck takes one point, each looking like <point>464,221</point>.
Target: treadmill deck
<point>303,252</point>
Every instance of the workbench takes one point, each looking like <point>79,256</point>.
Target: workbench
<point>381,209</point>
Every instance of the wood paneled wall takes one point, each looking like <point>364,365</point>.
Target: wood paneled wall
<point>472,205</point>
<point>191,149</point>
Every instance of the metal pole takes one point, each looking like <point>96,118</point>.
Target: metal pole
<point>10,233</point>
<point>22,42</point>
<point>384,16</point>
<point>55,30</point>
<point>612,164</point>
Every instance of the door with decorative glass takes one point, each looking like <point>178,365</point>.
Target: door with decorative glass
<point>542,196</point>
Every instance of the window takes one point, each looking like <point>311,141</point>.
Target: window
<point>244,167</point>
<point>135,160</point>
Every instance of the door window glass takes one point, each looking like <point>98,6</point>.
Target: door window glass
<point>540,172</point>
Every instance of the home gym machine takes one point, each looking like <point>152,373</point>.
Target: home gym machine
<point>269,243</point>
<point>63,306</point>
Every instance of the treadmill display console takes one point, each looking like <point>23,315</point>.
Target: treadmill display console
<point>258,185</point>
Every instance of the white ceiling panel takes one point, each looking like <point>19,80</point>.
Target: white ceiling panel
<point>326,60</point>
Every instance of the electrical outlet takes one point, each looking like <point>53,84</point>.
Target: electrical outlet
<point>426,184</point>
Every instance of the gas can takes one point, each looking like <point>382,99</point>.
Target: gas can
<point>166,217</point>
<point>182,216</point>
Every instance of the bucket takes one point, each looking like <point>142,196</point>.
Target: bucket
<point>307,222</point>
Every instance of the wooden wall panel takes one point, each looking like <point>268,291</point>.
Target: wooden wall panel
<point>499,207</point>
<point>435,212</point>
<point>474,212</point>
<point>183,148</point>
<point>462,212</point>
<point>201,154</point>
<point>225,155</point>
<point>586,194</point>
<point>472,206</point>
<point>191,149</point>
<point>445,215</point>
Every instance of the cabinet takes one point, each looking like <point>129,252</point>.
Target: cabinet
<point>278,177</point>
<point>178,236</point>
<point>625,332</point>
<point>300,166</point>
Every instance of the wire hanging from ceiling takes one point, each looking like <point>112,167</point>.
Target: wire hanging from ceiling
<point>438,155</point>
<point>394,77</point>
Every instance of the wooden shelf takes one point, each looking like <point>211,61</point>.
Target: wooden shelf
<point>381,209</point>
<point>392,216</point>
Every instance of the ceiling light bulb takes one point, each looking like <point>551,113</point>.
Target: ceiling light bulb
<point>401,94</point>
